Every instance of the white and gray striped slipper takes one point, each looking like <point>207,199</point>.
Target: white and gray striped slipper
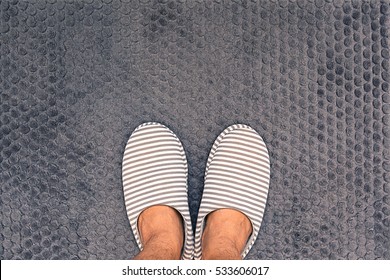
<point>154,172</point>
<point>237,177</point>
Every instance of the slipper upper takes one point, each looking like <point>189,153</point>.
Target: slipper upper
<point>237,177</point>
<point>154,172</point>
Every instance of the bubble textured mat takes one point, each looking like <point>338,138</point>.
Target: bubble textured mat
<point>77,77</point>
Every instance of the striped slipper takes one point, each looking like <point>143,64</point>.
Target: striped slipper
<point>154,172</point>
<point>237,177</point>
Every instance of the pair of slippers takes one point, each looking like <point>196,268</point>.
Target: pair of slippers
<point>154,172</point>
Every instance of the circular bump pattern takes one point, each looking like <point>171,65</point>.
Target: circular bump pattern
<point>312,77</point>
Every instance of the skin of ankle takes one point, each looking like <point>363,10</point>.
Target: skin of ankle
<point>225,235</point>
<point>159,248</point>
<point>220,249</point>
<point>161,229</point>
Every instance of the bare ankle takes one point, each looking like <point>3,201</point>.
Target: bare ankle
<point>161,232</point>
<point>160,247</point>
<point>221,249</point>
<point>225,235</point>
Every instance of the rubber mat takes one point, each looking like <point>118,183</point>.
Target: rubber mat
<point>312,77</point>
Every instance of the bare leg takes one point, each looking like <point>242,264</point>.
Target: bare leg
<point>162,234</point>
<point>225,235</point>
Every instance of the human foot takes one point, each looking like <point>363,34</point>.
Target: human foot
<point>225,235</point>
<point>161,232</point>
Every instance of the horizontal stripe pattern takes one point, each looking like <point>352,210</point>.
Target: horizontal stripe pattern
<point>154,172</point>
<point>237,177</point>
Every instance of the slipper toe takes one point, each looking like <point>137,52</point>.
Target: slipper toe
<point>237,177</point>
<point>154,172</point>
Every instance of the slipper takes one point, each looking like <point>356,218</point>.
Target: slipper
<point>237,177</point>
<point>154,172</point>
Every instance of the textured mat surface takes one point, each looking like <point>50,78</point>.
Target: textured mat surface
<point>312,77</point>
